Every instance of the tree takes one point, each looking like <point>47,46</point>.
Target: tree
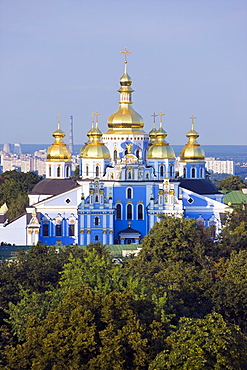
<point>208,343</point>
<point>14,190</point>
<point>231,183</point>
<point>89,330</point>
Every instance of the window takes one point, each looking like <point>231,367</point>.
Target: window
<point>201,172</point>
<point>59,230</point>
<point>161,170</point>
<point>96,198</point>
<point>96,238</point>
<point>138,153</point>
<point>115,155</point>
<point>171,170</point>
<point>50,171</point>
<point>193,173</point>
<point>67,171</point>
<point>119,212</point>
<point>129,193</point>
<point>86,170</point>
<point>129,212</point>
<point>96,221</point>
<point>58,171</point>
<point>97,171</point>
<point>184,172</point>
<point>45,230</point>
<point>140,211</point>
<point>71,230</point>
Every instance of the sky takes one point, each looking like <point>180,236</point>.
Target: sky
<point>189,57</point>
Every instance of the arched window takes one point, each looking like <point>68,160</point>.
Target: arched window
<point>129,174</point>
<point>115,155</point>
<point>129,193</point>
<point>162,170</point>
<point>58,230</point>
<point>97,171</point>
<point>129,212</point>
<point>96,238</point>
<point>45,229</point>
<point>72,230</point>
<point>87,170</point>
<point>58,171</point>
<point>193,172</point>
<point>184,172</point>
<point>119,212</point>
<point>138,153</point>
<point>126,152</point>
<point>201,172</point>
<point>140,211</point>
<point>171,170</point>
<point>67,171</point>
<point>50,171</point>
<point>96,221</point>
<point>96,198</point>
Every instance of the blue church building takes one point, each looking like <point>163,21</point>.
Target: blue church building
<point>128,179</point>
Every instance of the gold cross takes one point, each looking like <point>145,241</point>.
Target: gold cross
<point>160,114</point>
<point>96,115</point>
<point>125,52</point>
<point>154,115</point>
<point>58,123</point>
<point>192,117</point>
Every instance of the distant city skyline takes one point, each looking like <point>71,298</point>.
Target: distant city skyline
<point>63,57</point>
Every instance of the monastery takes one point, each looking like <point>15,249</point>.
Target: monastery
<point>128,178</point>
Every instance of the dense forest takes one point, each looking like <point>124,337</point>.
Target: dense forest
<point>181,303</point>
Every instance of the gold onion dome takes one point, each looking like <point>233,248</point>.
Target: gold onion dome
<point>58,151</point>
<point>192,151</point>
<point>160,148</point>
<point>125,120</point>
<point>95,148</point>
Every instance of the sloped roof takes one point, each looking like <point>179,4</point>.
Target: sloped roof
<point>54,186</point>
<point>235,197</point>
<point>129,230</point>
<point>199,186</point>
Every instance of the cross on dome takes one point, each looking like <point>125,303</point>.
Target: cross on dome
<point>96,115</point>
<point>58,123</point>
<point>154,115</point>
<point>161,114</point>
<point>125,52</point>
<point>192,117</point>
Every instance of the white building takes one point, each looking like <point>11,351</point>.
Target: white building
<point>216,166</point>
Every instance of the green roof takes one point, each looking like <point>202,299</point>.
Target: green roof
<point>235,197</point>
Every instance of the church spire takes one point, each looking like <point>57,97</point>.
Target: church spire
<point>125,119</point>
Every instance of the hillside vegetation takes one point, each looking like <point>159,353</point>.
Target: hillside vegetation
<point>180,304</point>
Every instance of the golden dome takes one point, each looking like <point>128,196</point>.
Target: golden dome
<point>192,151</point>
<point>95,148</point>
<point>160,148</point>
<point>125,120</point>
<point>58,151</point>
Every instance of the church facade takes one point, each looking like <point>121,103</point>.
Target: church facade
<point>128,178</point>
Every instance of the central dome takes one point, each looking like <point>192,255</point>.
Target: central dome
<point>125,120</point>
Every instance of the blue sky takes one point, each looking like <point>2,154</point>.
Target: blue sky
<point>63,57</point>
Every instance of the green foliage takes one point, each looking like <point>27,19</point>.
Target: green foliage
<point>14,190</point>
<point>208,343</point>
<point>231,183</point>
<point>76,309</point>
<point>89,330</point>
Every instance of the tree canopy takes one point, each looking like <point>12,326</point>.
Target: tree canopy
<point>231,183</point>
<point>14,189</point>
<point>180,304</point>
